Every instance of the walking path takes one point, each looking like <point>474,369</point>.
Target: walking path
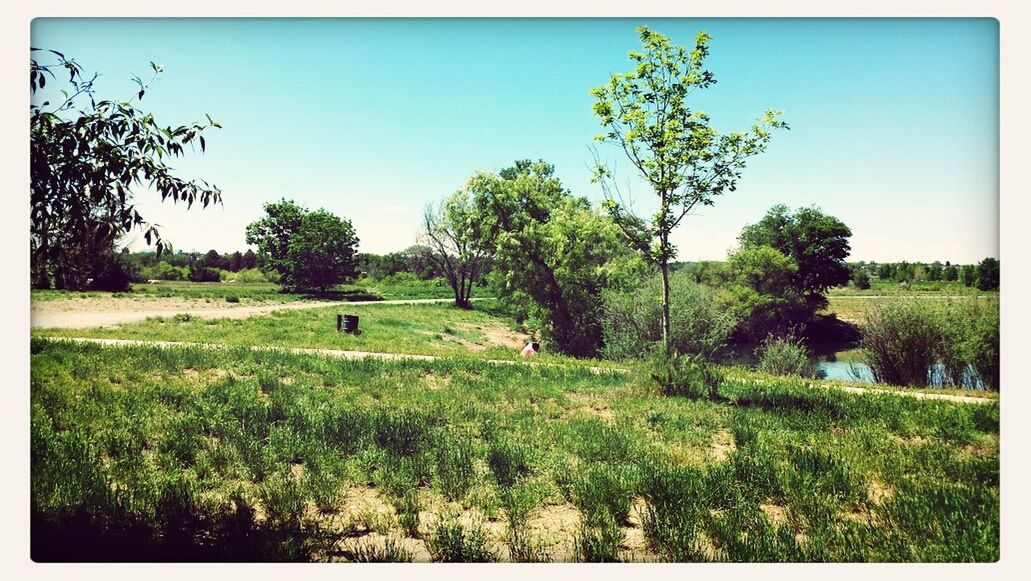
<point>404,356</point>
<point>48,315</point>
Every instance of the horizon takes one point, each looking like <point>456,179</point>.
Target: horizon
<point>898,116</point>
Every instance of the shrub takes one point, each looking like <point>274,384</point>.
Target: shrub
<point>598,541</point>
<point>901,339</point>
<point>862,280</point>
<point>784,356</point>
<point>453,543</point>
<point>250,275</point>
<point>455,471</point>
<point>687,375</point>
<point>605,489</point>
<point>508,461</point>
<point>203,274</point>
<point>632,321</point>
<point>232,299</point>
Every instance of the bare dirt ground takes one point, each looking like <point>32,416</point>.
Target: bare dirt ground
<point>101,311</point>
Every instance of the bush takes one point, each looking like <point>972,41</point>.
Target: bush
<point>453,543</point>
<point>111,272</point>
<point>687,375</point>
<point>784,356</point>
<point>862,280</point>
<point>203,274</point>
<point>632,321</point>
<point>901,340</point>
<point>910,342</point>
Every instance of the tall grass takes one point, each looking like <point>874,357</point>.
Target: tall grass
<point>916,343</point>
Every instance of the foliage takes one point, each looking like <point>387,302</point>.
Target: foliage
<point>988,275</point>
<point>686,162</point>
<point>785,355</point>
<point>200,273</point>
<point>311,250</point>
<point>632,322</point>
<point>88,158</point>
<point>690,376</point>
<point>817,243</point>
<point>761,294</point>
<point>862,280</point>
<point>455,243</point>
<point>453,542</point>
<point>553,253</point>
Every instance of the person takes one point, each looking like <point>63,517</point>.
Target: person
<point>531,349</point>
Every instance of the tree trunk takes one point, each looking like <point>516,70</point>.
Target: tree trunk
<point>666,331</point>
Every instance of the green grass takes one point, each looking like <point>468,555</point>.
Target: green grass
<point>918,287</point>
<point>258,291</point>
<point>190,454</point>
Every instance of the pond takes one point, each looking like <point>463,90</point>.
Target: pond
<point>844,362</point>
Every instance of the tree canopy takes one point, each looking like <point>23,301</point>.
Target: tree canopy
<point>673,147</point>
<point>816,242</point>
<point>88,158</point>
<point>455,244</point>
<point>311,251</point>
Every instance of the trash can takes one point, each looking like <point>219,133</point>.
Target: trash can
<point>347,323</point>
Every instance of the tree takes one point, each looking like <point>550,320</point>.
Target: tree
<point>553,253</point>
<point>451,229</point>
<point>988,274</point>
<point>764,296</point>
<point>234,261</point>
<point>936,271</point>
<point>212,259</point>
<point>311,251</point>
<point>816,242</point>
<point>683,159</point>
<point>87,160</point>
<point>249,260</point>
<point>951,273</point>
<point>969,274</point>
<point>862,280</point>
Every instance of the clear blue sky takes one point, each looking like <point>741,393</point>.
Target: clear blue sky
<point>894,123</point>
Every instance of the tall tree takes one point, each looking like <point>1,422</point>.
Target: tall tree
<point>685,161</point>
<point>818,244</point>
<point>988,274</point>
<point>311,251</point>
<point>451,230</point>
<point>553,254</point>
<point>87,160</point>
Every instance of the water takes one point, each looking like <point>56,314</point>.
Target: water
<point>843,362</point>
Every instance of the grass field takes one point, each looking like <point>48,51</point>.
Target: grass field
<point>143,453</point>
<point>258,291</point>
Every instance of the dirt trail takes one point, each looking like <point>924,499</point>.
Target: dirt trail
<point>85,313</point>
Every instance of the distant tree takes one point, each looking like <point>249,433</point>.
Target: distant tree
<point>951,273</point>
<point>886,271</point>
<point>248,260</point>
<point>455,243</point>
<point>936,271</point>
<point>862,280</point>
<point>311,251</point>
<point>682,158</point>
<point>816,242</point>
<point>212,259</point>
<point>988,274</point>
<point>904,272</point>
<point>233,262</point>
<point>87,160</point>
<point>969,274</point>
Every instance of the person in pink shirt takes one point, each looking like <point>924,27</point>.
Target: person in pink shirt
<point>531,349</point>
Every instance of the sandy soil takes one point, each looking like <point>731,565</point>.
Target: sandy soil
<point>102,311</point>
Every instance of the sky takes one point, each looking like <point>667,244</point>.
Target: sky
<point>894,122</point>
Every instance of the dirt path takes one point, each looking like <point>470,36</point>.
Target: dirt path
<point>403,356</point>
<point>85,313</point>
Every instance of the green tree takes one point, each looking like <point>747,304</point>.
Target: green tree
<point>553,253</point>
<point>936,271</point>
<point>862,280</point>
<point>212,259</point>
<point>816,242</point>
<point>969,274</point>
<point>684,160</point>
<point>455,244</point>
<point>88,158</point>
<point>763,296</point>
<point>951,273</point>
<point>988,274</point>
<point>311,251</point>
<point>886,271</point>
<point>249,260</point>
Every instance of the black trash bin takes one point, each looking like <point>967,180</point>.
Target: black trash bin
<point>347,323</point>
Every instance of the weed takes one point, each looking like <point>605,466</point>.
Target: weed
<point>454,543</point>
